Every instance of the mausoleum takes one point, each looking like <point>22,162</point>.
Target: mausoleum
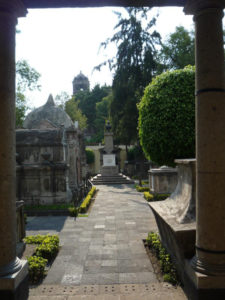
<point>50,157</point>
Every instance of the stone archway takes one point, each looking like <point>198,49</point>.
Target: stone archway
<point>210,95</point>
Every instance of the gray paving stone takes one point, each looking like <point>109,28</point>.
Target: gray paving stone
<point>106,247</point>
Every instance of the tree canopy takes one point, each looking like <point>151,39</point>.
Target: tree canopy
<point>167,117</point>
<point>27,79</point>
<point>70,106</point>
<point>133,66</point>
<point>177,51</point>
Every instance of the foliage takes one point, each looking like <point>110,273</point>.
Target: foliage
<point>142,188</point>
<point>167,117</point>
<point>72,109</point>
<point>149,197</point>
<point>134,153</point>
<point>167,267</point>
<point>85,204</point>
<point>36,268</point>
<point>48,248</point>
<point>178,50</point>
<point>102,114</point>
<point>34,239</point>
<point>160,197</point>
<point>26,80</point>
<point>74,211</point>
<point>134,66</point>
<point>87,103</point>
<point>48,207</point>
<point>90,156</point>
<point>156,197</point>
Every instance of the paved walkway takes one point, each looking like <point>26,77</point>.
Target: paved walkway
<point>102,255</point>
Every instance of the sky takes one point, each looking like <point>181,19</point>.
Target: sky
<point>59,43</point>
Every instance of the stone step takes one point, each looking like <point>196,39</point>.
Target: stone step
<point>114,179</point>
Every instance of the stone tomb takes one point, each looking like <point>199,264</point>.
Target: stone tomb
<point>50,157</point>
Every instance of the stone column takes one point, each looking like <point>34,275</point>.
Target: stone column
<point>9,263</point>
<point>210,136</point>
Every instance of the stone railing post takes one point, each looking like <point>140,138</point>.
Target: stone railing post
<point>210,133</point>
<point>10,265</point>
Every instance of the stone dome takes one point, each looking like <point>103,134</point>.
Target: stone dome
<point>47,116</point>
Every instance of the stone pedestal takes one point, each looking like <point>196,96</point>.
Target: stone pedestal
<point>175,216</point>
<point>13,272</point>
<point>162,180</point>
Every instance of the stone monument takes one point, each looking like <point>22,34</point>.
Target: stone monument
<point>109,167</point>
<point>110,156</point>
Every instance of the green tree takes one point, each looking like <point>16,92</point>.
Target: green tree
<point>133,66</point>
<point>167,117</point>
<point>72,109</point>
<point>88,100</point>
<point>27,79</point>
<point>102,114</point>
<point>178,50</point>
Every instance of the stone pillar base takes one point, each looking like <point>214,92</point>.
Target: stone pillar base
<point>199,286</point>
<point>15,286</point>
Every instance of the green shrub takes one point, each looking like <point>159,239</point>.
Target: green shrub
<point>167,117</point>
<point>160,197</point>
<point>34,239</point>
<point>73,211</point>
<point>142,189</point>
<point>36,268</point>
<point>148,196</point>
<point>85,204</point>
<point>166,264</point>
<point>48,207</point>
<point>90,156</point>
<point>49,248</point>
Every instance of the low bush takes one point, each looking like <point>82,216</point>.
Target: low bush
<point>149,197</point>
<point>166,264</point>
<point>142,188</point>
<point>48,248</point>
<point>48,207</point>
<point>160,197</point>
<point>85,204</point>
<point>34,239</point>
<point>73,211</point>
<point>36,268</point>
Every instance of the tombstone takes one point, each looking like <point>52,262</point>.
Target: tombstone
<point>109,170</point>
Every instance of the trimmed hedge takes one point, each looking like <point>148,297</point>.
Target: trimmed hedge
<point>48,247</point>
<point>157,197</point>
<point>167,117</point>
<point>142,188</point>
<point>149,197</point>
<point>85,204</point>
<point>166,264</point>
<point>36,267</point>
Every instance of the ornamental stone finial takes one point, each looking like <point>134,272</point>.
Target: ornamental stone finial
<point>15,7</point>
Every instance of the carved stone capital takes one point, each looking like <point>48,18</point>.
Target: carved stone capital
<point>14,7</point>
<point>194,7</point>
